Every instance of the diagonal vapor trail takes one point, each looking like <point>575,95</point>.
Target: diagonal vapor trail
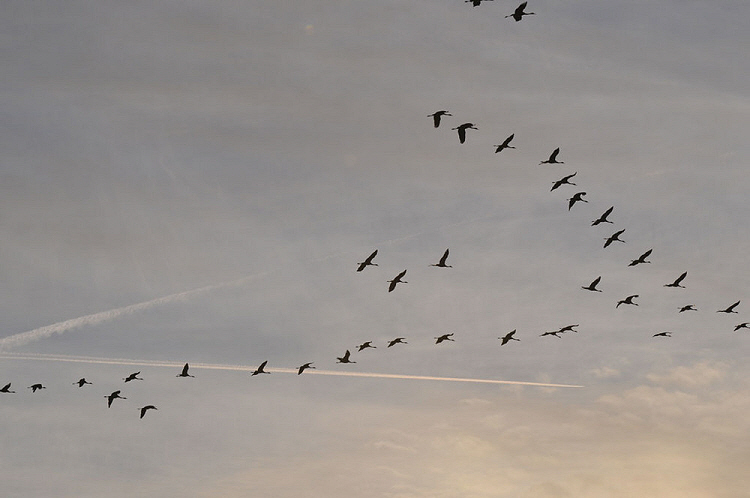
<point>243,368</point>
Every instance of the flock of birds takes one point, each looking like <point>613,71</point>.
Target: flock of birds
<point>576,198</point>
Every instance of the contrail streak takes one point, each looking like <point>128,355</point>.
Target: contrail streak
<point>244,368</point>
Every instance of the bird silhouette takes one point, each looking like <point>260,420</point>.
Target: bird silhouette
<point>592,285</point>
<point>641,259</point>
<point>553,332</point>
<point>688,307</point>
<point>184,372</point>
<point>568,328</point>
<point>365,345</point>
<point>260,369</point>
<point>603,217</point>
<point>304,367</point>
<point>663,334</point>
<point>508,337</point>
<point>476,3</point>
<point>437,115</point>
<point>677,281</point>
<point>368,261</point>
<point>730,308</point>
<point>627,300</point>
<point>6,388</point>
<point>462,130</point>
<point>578,197</point>
<point>614,237</point>
<point>81,382</point>
<point>505,144</point>
<point>441,263</point>
<point>397,340</point>
<point>345,358</point>
<point>112,397</point>
<point>552,157</point>
<point>147,408</point>
<point>397,280</point>
<point>133,376</point>
<point>35,387</point>
<point>563,181</point>
<point>444,337</point>
<point>519,12</point>
<point>744,325</point>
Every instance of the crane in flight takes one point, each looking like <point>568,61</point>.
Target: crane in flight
<point>437,115</point>
<point>6,388</point>
<point>744,325</point>
<point>260,369</point>
<point>304,367</point>
<point>462,130</point>
<point>133,376</point>
<point>568,328</point>
<point>184,372</point>
<point>565,180</point>
<point>677,281</point>
<point>641,259</point>
<point>730,308</point>
<point>552,157</point>
<point>627,300</point>
<point>35,387</point>
<point>441,263</point>
<point>146,408</point>
<point>519,12</point>
<point>397,340</point>
<point>82,382</point>
<point>592,285</point>
<point>578,197</point>
<point>614,237</point>
<point>115,395</point>
<point>553,332</point>
<point>368,261</point>
<point>365,345</point>
<point>397,280</point>
<point>345,358</point>
<point>508,337</point>
<point>444,337</point>
<point>476,3</point>
<point>688,307</point>
<point>603,217</point>
<point>663,334</point>
<point>505,144</point>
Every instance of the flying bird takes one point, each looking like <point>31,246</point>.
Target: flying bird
<point>576,198</point>
<point>505,144</point>
<point>519,12</point>
<point>603,217</point>
<point>133,376</point>
<point>397,280</point>
<point>563,181</point>
<point>614,237</point>
<point>397,340</point>
<point>81,382</point>
<point>260,370</point>
<point>185,372</point>
<point>729,309</point>
<point>508,337</point>
<point>368,261</point>
<point>745,325</point>
<point>345,358</point>
<point>444,337</point>
<point>35,387</point>
<point>592,285</point>
<point>304,367</point>
<point>627,300</point>
<point>462,130</point>
<point>677,281</point>
<point>553,332</point>
<point>552,157</point>
<point>663,334</point>
<point>112,397</point>
<point>365,345</point>
<point>147,408</point>
<point>641,259</point>
<point>688,307</point>
<point>6,388</point>
<point>568,328</point>
<point>476,3</point>
<point>437,115</point>
<point>441,263</point>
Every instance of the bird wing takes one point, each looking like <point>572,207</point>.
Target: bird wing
<point>646,254</point>
<point>553,156</point>
<point>680,278</point>
<point>185,369</point>
<point>445,256</point>
<point>507,140</point>
<point>7,386</point>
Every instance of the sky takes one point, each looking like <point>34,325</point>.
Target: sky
<point>197,182</point>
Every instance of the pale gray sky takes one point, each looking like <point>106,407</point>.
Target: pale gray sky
<point>254,152</point>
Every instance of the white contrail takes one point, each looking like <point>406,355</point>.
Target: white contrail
<point>244,368</point>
